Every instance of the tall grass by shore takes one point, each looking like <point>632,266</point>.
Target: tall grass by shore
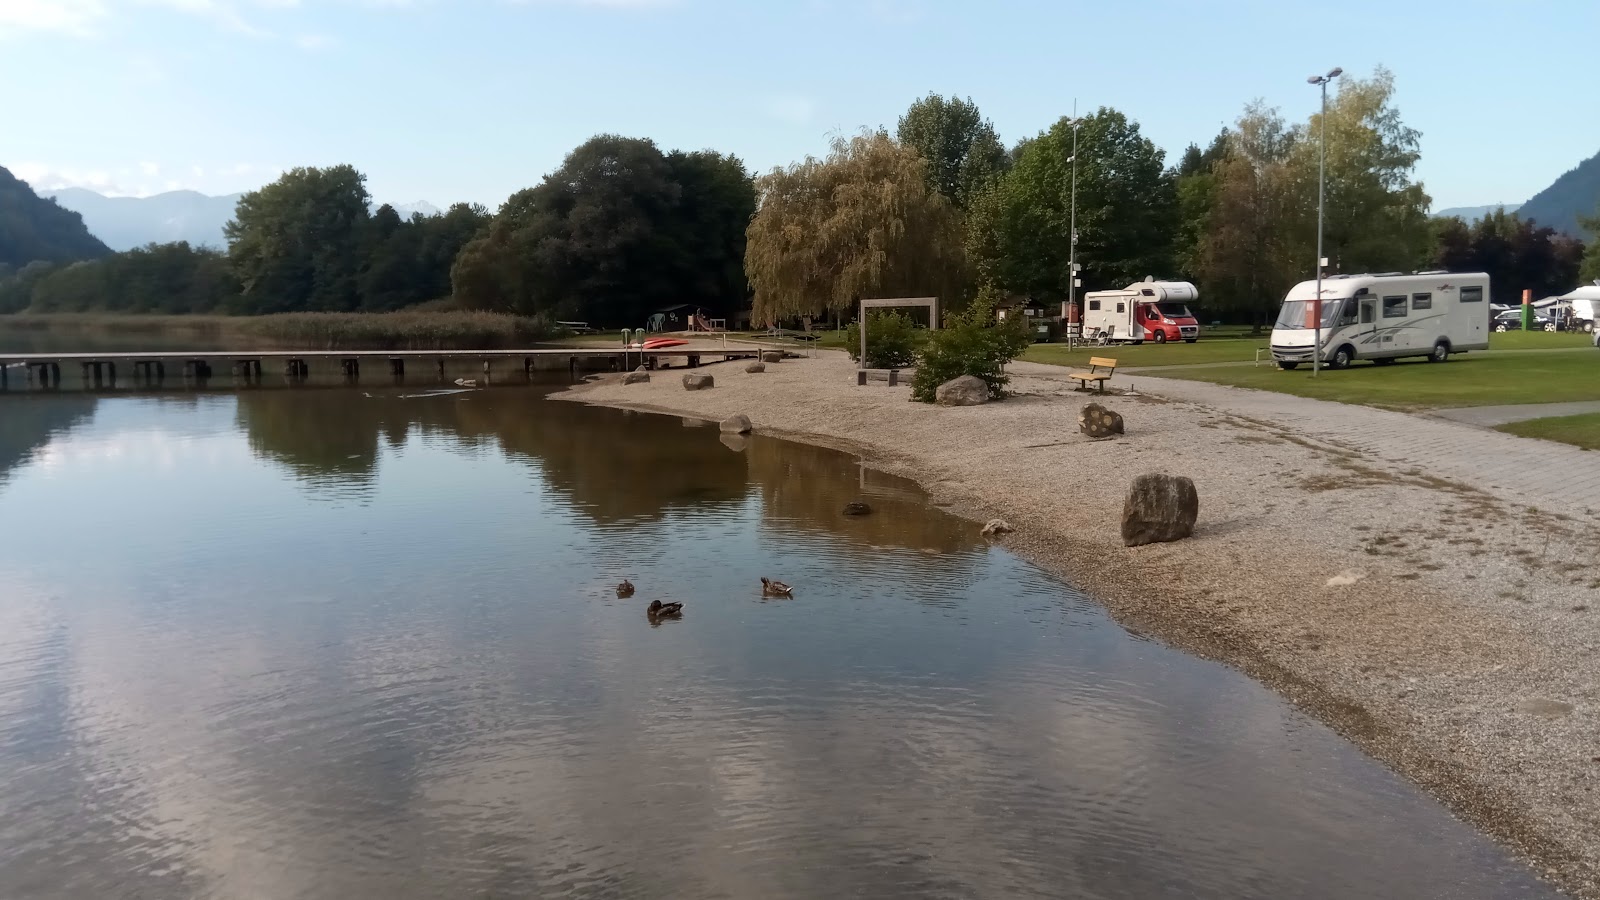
<point>406,330</point>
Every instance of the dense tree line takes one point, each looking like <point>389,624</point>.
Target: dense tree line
<point>618,230</point>
<point>306,242</point>
<point>1518,254</point>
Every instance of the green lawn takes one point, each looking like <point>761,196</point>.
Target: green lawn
<point>1475,379</point>
<point>1204,351</point>
<point>1579,431</point>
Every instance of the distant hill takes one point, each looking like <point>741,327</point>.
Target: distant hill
<point>34,228</point>
<point>1577,193</point>
<point>128,222</point>
<point>1473,213</point>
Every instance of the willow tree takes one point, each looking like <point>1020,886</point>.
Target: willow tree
<point>861,223</point>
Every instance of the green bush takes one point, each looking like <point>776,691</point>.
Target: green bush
<point>891,341</point>
<point>971,343</point>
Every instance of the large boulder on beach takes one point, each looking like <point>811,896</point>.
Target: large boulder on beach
<point>739,423</point>
<point>756,368</point>
<point>968,390</point>
<point>694,382</point>
<point>1098,422</point>
<point>772,356</point>
<point>1159,508</point>
<point>637,376</point>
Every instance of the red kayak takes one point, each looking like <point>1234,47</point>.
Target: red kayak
<point>663,343</point>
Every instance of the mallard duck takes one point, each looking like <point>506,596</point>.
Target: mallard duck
<point>625,589</point>
<point>657,609</point>
<point>770,588</point>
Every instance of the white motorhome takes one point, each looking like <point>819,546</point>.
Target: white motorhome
<point>1146,310</point>
<point>1585,303</point>
<point>1384,317</point>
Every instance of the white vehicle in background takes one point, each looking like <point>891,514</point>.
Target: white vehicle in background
<point>1585,302</point>
<point>1148,310</point>
<point>1383,318</point>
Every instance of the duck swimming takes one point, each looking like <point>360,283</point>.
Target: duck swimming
<point>770,588</point>
<point>625,589</point>
<point>657,609</point>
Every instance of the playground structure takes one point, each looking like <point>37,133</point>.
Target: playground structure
<point>932,304</point>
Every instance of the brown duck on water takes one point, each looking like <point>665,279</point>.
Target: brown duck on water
<point>770,588</point>
<point>625,589</point>
<point>658,610</point>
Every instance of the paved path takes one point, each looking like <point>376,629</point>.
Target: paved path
<point>1545,474</point>
<point>1490,416</point>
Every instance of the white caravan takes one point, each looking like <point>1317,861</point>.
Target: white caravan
<point>1585,306</point>
<point>1146,310</point>
<point>1384,317</point>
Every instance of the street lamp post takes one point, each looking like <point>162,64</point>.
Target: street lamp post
<point>1072,252</point>
<point>1322,177</point>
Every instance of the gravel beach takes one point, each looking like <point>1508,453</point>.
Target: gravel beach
<point>1447,628</point>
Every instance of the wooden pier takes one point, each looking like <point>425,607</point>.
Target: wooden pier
<point>102,369</point>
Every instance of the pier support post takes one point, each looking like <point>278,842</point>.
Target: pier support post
<point>397,367</point>
<point>352,368</point>
<point>441,368</point>
<point>3,384</point>
<point>55,374</point>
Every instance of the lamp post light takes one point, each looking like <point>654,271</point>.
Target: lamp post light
<point>1322,177</point>
<point>1072,252</point>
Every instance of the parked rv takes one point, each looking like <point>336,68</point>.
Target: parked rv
<point>1383,318</point>
<point>1145,311</point>
<point>1585,306</point>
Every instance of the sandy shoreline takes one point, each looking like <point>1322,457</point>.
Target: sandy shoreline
<point>1463,655</point>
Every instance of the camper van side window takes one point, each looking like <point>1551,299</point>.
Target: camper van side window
<point>1394,307</point>
<point>1094,304</point>
<point>1473,294</point>
<point>1422,301</point>
<point>1122,307</point>
<point>1347,313</point>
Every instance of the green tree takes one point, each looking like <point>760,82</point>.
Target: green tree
<point>1127,204</point>
<point>297,243</point>
<point>1517,254</point>
<point>963,153</point>
<point>972,342</point>
<point>860,223</point>
<point>1196,187</point>
<point>1377,216</point>
<point>1248,253</point>
<point>618,230</point>
<point>1589,273</point>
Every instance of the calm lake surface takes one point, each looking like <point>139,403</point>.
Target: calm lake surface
<point>315,643</point>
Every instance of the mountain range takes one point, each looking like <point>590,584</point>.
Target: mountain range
<point>1472,214</point>
<point>127,222</point>
<point>1573,196</point>
<point>32,228</point>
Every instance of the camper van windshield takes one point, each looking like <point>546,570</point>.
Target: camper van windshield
<point>1297,314</point>
<point>1174,310</point>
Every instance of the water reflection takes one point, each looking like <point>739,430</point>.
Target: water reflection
<point>241,689</point>
<point>31,423</point>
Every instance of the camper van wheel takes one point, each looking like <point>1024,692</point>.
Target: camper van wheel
<point>1341,357</point>
<point>1588,328</point>
<point>1286,365</point>
<point>1550,326</point>
<point>1161,337</point>
<point>1441,352</point>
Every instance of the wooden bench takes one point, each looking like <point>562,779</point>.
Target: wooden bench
<point>1095,373</point>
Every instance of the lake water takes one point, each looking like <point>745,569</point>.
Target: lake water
<point>315,643</point>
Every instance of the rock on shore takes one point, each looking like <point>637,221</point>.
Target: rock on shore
<point>968,390</point>
<point>1159,508</point>
<point>698,382</point>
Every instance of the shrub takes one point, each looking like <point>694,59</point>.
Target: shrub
<point>971,343</point>
<point>891,341</point>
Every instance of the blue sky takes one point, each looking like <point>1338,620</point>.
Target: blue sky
<point>449,100</point>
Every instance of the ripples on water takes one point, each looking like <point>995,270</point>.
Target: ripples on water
<point>315,644</point>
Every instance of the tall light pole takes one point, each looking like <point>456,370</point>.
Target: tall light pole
<point>1322,178</point>
<point>1072,252</point>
